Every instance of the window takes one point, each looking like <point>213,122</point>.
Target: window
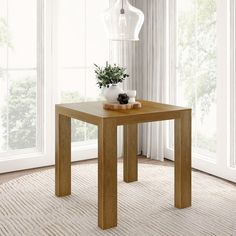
<point>82,42</point>
<point>232,84</point>
<point>200,56</point>
<point>21,74</point>
<point>196,70</point>
<point>47,51</point>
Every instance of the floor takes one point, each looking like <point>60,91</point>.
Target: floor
<point>28,205</point>
<point>13,175</point>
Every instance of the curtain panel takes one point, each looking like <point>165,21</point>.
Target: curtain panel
<point>145,61</point>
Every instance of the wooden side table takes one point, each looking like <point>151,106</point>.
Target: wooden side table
<point>107,122</point>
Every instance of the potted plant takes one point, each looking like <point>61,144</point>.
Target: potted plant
<point>108,78</point>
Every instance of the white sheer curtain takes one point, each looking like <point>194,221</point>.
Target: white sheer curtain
<point>150,73</point>
<point>145,62</point>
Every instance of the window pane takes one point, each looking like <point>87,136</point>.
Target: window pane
<point>196,69</point>
<point>18,75</point>
<point>18,110</point>
<point>72,87</point>
<point>80,46</point>
<point>92,90</point>
<point>72,84</point>
<point>72,33</point>
<point>22,97</point>
<point>22,33</point>
<point>97,50</point>
<point>4,35</point>
<point>3,113</point>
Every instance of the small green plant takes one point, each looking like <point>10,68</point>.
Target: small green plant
<point>109,75</point>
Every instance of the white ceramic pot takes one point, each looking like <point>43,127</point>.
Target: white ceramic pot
<point>111,93</point>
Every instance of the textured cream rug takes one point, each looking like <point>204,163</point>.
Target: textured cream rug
<point>28,205</point>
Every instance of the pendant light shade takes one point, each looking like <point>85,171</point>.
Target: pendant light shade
<point>123,21</point>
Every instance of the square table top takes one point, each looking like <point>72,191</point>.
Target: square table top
<point>93,112</point>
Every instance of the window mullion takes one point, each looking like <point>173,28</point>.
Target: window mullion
<point>7,87</point>
<point>40,73</point>
<point>232,128</point>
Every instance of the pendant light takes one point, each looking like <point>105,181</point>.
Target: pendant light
<point>123,21</point>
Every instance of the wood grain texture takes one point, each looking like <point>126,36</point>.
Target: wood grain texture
<point>63,156</point>
<point>93,112</point>
<point>107,174</point>
<point>130,153</point>
<point>183,160</point>
<point>107,121</point>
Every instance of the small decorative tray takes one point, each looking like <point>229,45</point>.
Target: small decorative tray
<point>117,106</point>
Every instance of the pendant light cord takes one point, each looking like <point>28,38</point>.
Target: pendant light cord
<point>122,10</point>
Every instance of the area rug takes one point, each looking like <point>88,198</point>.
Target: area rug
<point>28,205</point>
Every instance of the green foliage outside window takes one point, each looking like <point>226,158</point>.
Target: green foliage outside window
<point>19,116</point>
<point>197,54</point>
<point>197,63</point>
<point>4,34</point>
<point>196,59</point>
<point>81,131</point>
<point>18,111</point>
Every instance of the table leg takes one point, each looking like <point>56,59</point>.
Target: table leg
<point>130,153</point>
<point>63,155</point>
<point>183,160</point>
<point>107,174</point>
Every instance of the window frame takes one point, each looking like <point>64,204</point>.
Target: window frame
<point>232,89</point>
<point>48,95</point>
<point>222,165</point>
<point>41,155</point>
<point>39,69</point>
